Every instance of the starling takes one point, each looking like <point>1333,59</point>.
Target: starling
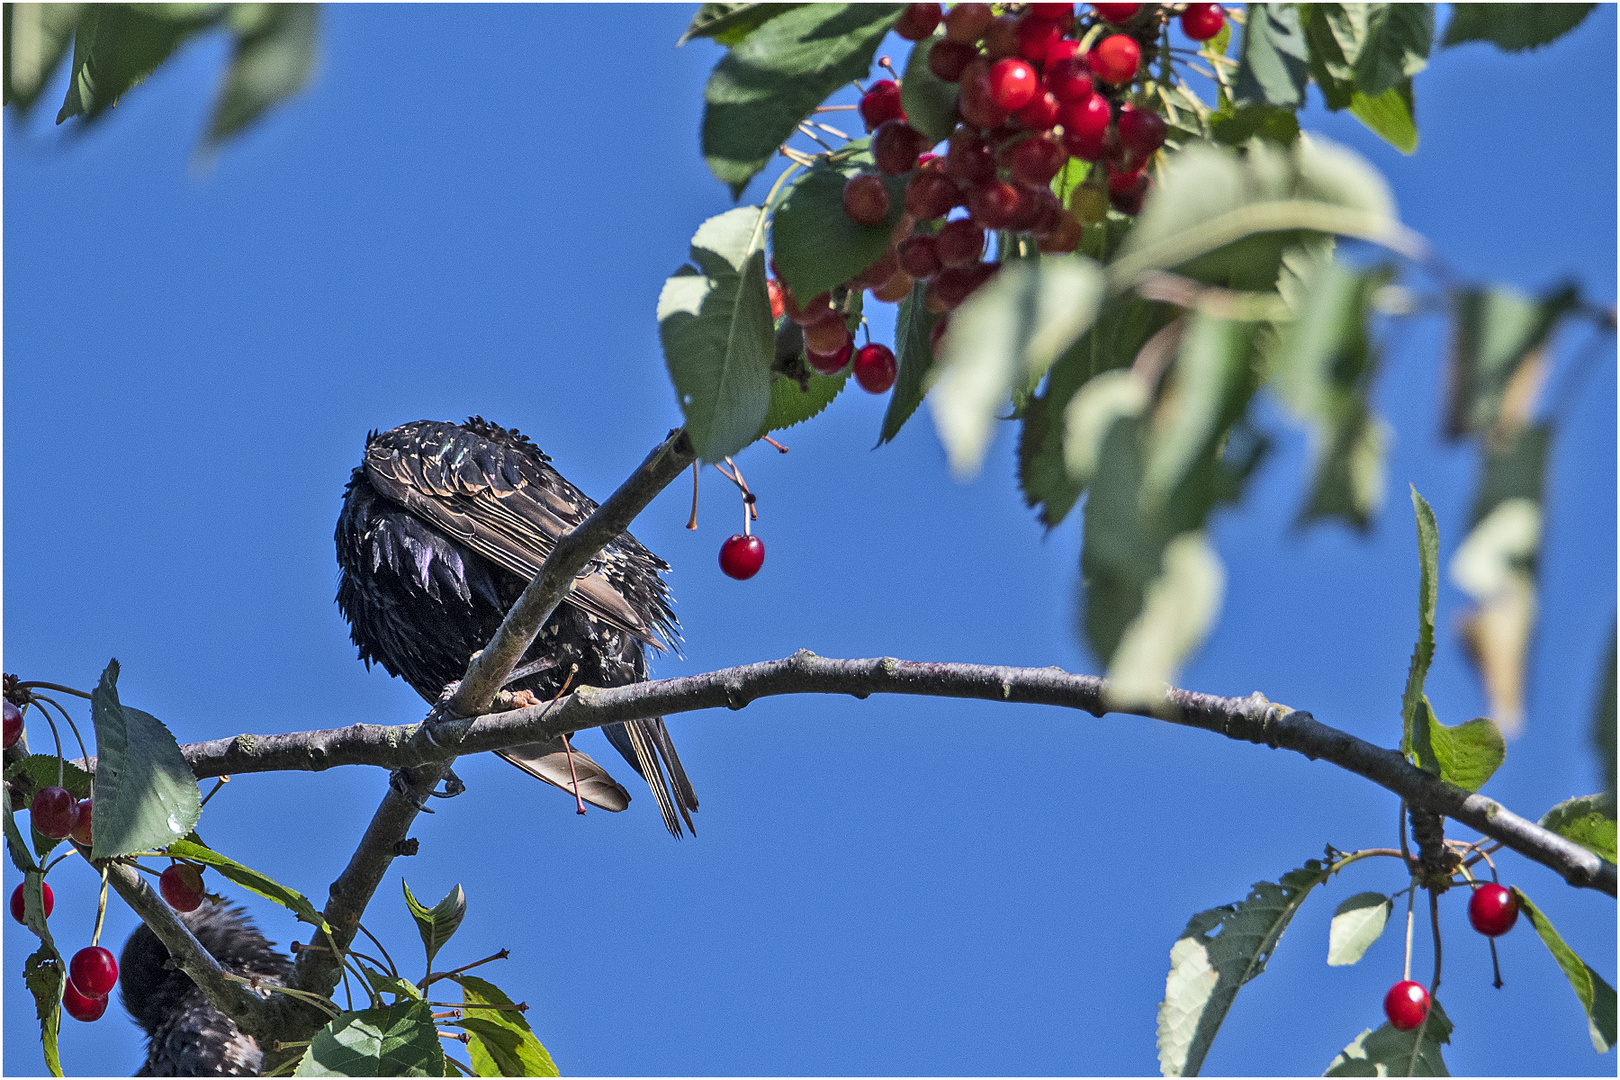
<point>443,525</point>
<point>186,1034</point>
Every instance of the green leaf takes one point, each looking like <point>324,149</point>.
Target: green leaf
<point>815,244</point>
<point>1390,115</point>
<point>146,795</point>
<point>1497,330</point>
<point>43,975</point>
<point>36,39</point>
<point>502,1043</point>
<point>21,858</point>
<point>1273,65</point>
<point>400,1040</point>
<point>1209,386</point>
<point>1394,44</point>
<point>116,46</point>
<point>730,23</point>
<point>929,101</point>
<point>792,404</point>
<point>1513,27</point>
<point>402,989</point>
<point>1357,923</point>
<point>1179,607</point>
<point>44,770</point>
<point>1219,951</point>
<point>1603,709</point>
<point>1597,996</point>
<point>1387,1052</point>
<point>1588,820</point>
<point>1412,699</point>
<point>1264,121</point>
<point>436,925</point>
<point>248,878</point>
<point>271,60</point>
<point>1007,334</point>
<point>777,75</point>
<point>1468,754</point>
<point>914,352</point>
<point>718,336</point>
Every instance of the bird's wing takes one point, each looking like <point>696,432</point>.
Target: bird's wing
<point>549,761</point>
<point>504,503</point>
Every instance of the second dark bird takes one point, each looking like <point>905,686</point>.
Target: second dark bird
<point>443,525</point>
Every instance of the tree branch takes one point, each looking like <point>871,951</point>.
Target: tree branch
<point>1250,719</point>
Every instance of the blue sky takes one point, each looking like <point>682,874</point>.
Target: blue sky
<point>472,210</point>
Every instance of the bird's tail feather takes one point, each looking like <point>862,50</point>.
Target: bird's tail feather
<point>643,743</point>
<point>549,761</point>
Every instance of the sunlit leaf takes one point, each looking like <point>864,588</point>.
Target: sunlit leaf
<point>1179,606</point>
<point>1496,330</point>
<point>1391,115</point>
<point>271,59</point>
<point>728,24</point>
<point>1513,27</point>
<point>36,39</point>
<point>146,795</point>
<point>400,1040</point>
<point>245,876</point>
<point>438,923</point>
<point>1596,996</point>
<point>501,1043</point>
<point>1468,754</point>
<point>1413,704</point>
<point>1273,64</point>
<point>1387,1052</point>
<point>1588,820</point>
<point>814,243</point>
<point>1357,923</point>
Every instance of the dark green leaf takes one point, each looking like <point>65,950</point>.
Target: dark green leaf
<point>42,973</point>
<point>1394,45</point>
<point>1468,753</point>
<point>272,58</point>
<point>777,75</point>
<point>929,101</point>
<point>718,335</point>
<point>1413,725</point>
<point>502,1042</point>
<point>814,243</point>
<point>1497,329</point>
<point>36,39</point>
<point>1513,27</point>
<point>792,404</point>
<point>248,878</point>
<point>1588,820</point>
<point>1357,923</point>
<point>21,858</point>
<point>914,352</point>
<point>436,924</point>
<point>730,23</point>
<point>1597,996</point>
<point>1391,116</point>
<point>1603,710</point>
<point>146,795</point>
<point>116,46</point>
<point>400,1040</point>
<point>1265,121</point>
<point>1219,951</point>
<point>1209,386</point>
<point>1387,1052</point>
<point>1274,63</point>
<point>48,770</point>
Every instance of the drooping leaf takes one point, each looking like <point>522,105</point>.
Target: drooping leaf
<point>1209,386</point>
<point>1219,951</point>
<point>501,1043</point>
<point>928,100</point>
<point>1414,706</point>
<point>43,975</point>
<point>1496,331</point>
<point>146,795</point>
<point>1468,754</point>
<point>718,335</point>
<point>245,876</point>
<point>1596,996</point>
<point>1357,923</point>
<point>1588,820</point>
<point>1007,334</point>
<point>778,74</point>
<point>1391,115</point>
<point>914,353</point>
<point>1603,710</point>
<point>815,245</point>
<point>438,923</point>
<point>1513,27</point>
<point>1179,606</point>
<point>728,24</point>
<point>21,858</point>
<point>400,1040</point>
<point>1274,62</point>
<point>271,60</point>
<point>36,39</point>
<point>1387,1052</point>
<point>116,46</point>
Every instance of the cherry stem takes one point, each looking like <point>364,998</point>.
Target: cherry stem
<point>221,782</point>
<point>829,130</point>
<point>71,726</point>
<point>436,976</point>
<point>1496,966</point>
<point>55,686</point>
<point>836,108</point>
<point>101,908</point>
<point>691,522</point>
<point>392,969</point>
<point>813,137</point>
<point>888,65</point>
<point>1406,965</point>
<point>780,448</point>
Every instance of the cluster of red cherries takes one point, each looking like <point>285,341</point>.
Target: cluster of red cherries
<point>55,813</point>
<point>1492,910</point>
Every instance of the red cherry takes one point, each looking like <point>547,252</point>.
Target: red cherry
<point>1036,38</point>
<point>878,272</point>
<point>1142,131</point>
<point>1126,190</point>
<point>1041,113</point>
<point>1202,21</point>
<point>1087,119</point>
<point>918,21</point>
<point>1406,1004</point>
<point>1012,84</point>
<point>1001,38</point>
<point>954,284</point>
<point>975,102</point>
<point>959,243</point>
<point>993,204</point>
<point>1062,49</point>
<point>742,556</point>
<point>1062,238</point>
<point>895,146</point>
<point>1493,910</point>
<point>1051,12</point>
<point>875,368</point>
<point>919,257</point>
<point>947,59</point>
<point>1069,79</point>
<point>181,885</point>
<point>965,23</point>
<point>93,971</point>
<point>17,901</point>
<point>829,363</point>
<point>929,195</point>
<point>880,103</point>
<point>969,161</point>
<point>866,200</point>
<point>1117,13</point>
<point>81,828</point>
<point>826,337</point>
<point>1116,58</point>
<point>1036,160</point>
<point>54,812</point>
<point>13,725</point>
<point>80,1007</point>
<point>819,309</point>
<point>773,289</point>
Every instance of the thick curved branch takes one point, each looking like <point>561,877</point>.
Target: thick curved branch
<point>1251,719</point>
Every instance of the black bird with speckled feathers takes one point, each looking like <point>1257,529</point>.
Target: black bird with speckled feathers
<point>443,525</point>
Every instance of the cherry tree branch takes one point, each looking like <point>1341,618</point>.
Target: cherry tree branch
<point>1249,719</point>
